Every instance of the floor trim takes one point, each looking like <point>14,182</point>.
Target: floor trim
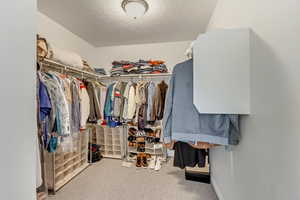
<point>217,189</point>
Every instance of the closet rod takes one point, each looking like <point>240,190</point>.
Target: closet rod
<point>60,67</point>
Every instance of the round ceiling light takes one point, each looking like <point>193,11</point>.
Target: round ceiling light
<point>135,8</point>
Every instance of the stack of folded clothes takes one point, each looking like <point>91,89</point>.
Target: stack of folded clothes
<point>140,67</point>
<point>100,71</point>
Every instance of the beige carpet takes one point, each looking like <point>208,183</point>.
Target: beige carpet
<point>108,180</point>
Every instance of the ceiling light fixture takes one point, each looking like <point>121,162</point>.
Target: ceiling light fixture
<point>135,8</point>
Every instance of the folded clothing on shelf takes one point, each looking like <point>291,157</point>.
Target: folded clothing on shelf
<point>139,67</point>
<point>100,71</point>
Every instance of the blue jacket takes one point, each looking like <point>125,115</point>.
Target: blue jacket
<point>183,122</point>
<point>108,106</point>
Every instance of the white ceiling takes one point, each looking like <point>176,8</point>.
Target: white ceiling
<point>103,22</point>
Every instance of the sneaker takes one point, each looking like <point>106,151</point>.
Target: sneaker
<point>158,164</point>
<point>152,162</point>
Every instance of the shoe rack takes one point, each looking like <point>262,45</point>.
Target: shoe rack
<point>154,149</point>
<point>61,167</point>
<point>111,141</point>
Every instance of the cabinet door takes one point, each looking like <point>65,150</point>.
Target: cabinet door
<point>222,72</point>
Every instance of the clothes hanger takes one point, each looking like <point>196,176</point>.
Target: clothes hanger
<point>100,83</point>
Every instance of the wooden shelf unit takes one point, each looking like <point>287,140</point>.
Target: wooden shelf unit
<point>61,167</point>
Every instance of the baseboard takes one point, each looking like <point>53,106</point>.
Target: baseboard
<point>217,189</point>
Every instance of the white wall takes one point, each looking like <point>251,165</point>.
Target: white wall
<point>266,165</point>
<point>17,85</point>
<point>60,37</point>
<point>172,53</point>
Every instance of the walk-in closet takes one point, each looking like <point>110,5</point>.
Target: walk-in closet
<point>150,100</point>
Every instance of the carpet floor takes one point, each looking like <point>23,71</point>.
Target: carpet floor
<point>108,180</point>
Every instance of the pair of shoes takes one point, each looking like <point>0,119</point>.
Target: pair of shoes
<point>141,147</point>
<point>158,164</point>
<point>151,134</point>
<point>131,138</point>
<point>132,131</point>
<point>157,140</point>
<point>140,139</point>
<point>150,139</point>
<point>132,144</point>
<point>138,161</point>
<point>141,160</point>
<point>152,162</point>
<point>140,134</point>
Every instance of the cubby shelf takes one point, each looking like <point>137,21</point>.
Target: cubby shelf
<point>111,141</point>
<point>61,167</point>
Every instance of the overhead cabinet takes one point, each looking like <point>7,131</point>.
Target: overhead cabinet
<point>222,72</point>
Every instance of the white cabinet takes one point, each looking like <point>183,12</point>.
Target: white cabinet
<point>222,72</point>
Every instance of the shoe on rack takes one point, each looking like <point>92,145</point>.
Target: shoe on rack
<point>150,139</point>
<point>140,139</point>
<point>134,144</point>
<point>141,147</point>
<point>140,134</point>
<point>138,161</point>
<point>144,160</point>
<point>157,133</point>
<point>132,131</point>
<point>158,164</point>
<point>152,162</point>
<point>130,138</point>
<point>157,140</point>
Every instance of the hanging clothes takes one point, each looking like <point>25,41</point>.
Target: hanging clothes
<point>60,120</point>
<point>65,105</point>
<point>183,122</point>
<point>160,98</point>
<point>102,100</point>
<point>75,106</point>
<point>63,110</point>
<point>187,156</point>
<point>150,100</point>
<point>136,103</point>
<point>108,108</point>
<point>95,113</point>
<point>117,100</point>
<point>132,106</point>
<point>45,108</point>
<point>124,114</point>
<point>84,105</point>
<point>122,91</point>
<point>44,101</point>
<point>142,109</point>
